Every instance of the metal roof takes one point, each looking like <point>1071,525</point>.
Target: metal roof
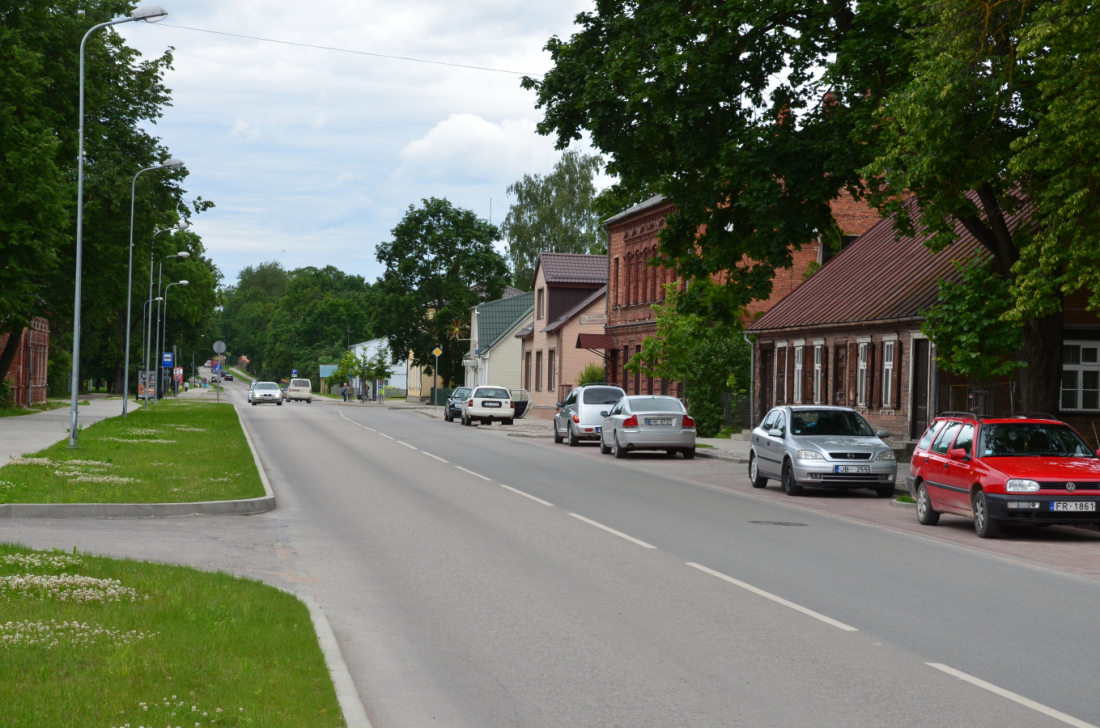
<point>497,318</point>
<point>876,278</point>
<point>651,202</point>
<point>572,268</point>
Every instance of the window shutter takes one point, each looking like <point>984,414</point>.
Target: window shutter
<point>853,372</point>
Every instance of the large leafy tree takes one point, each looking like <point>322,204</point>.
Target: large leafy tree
<point>440,263</point>
<point>554,213</point>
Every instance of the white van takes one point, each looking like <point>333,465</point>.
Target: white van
<point>301,390</point>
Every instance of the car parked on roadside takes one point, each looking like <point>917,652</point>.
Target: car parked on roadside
<point>647,422</point>
<point>486,404</point>
<point>453,408</point>
<point>580,415</point>
<point>262,392</point>
<point>1028,469</point>
<point>300,390</point>
<point>820,447</point>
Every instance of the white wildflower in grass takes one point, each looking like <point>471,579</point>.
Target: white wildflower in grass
<point>29,461</point>
<point>77,476</point>
<point>7,484</point>
<point>153,442</point>
<point>138,431</point>
<point>42,561</point>
<point>66,634</point>
<point>66,588</point>
<point>87,463</point>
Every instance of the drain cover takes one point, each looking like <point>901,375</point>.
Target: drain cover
<point>778,523</point>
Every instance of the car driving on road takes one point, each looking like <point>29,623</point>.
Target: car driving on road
<point>580,416</point>
<point>647,422</point>
<point>300,390</point>
<point>453,408</point>
<point>487,404</point>
<point>820,447</point>
<point>1029,469</point>
<point>265,392</point>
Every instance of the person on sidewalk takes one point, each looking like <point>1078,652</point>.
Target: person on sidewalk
<point>345,393</point>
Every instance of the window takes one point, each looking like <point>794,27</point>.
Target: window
<point>571,399</point>
<point>1033,439</point>
<point>780,423</point>
<point>861,376</point>
<point>965,440</point>
<point>781,375</point>
<point>603,395</point>
<point>798,374</point>
<point>527,371</point>
<point>817,374</point>
<point>943,442</point>
<point>888,374</point>
<point>538,371</point>
<point>656,404</point>
<point>829,423</point>
<point>550,370</point>
<point>615,285</point>
<point>769,420</point>
<point>927,439</point>
<point>540,310</point>
<point>1080,376</point>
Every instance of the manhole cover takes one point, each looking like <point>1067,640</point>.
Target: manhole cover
<point>778,523</point>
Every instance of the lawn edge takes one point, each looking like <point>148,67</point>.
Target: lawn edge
<point>239,507</point>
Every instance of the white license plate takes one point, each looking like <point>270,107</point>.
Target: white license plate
<point>665,421</point>
<point>1072,506</point>
<point>852,469</point>
<point>490,404</point>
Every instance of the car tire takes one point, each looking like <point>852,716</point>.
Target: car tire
<point>558,439</point>
<point>926,514</point>
<point>689,453</point>
<point>279,403</point>
<point>984,526</point>
<point>604,449</point>
<point>446,416</point>
<point>885,492</point>
<point>790,487</point>
<point>253,404</point>
<point>506,422</point>
<point>671,452</point>
<point>754,473</point>
<point>620,451</point>
<point>465,421</point>
<point>573,439</point>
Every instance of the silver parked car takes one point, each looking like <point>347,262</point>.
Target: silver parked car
<point>648,422</point>
<point>580,416</point>
<point>265,392</point>
<point>821,447</point>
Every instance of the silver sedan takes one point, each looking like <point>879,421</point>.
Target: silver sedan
<point>822,447</point>
<point>647,422</point>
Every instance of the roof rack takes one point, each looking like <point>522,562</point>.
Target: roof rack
<point>1031,415</point>
<point>970,415</point>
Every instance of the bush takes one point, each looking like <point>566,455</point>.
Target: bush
<point>7,396</point>
<point>591,373</point>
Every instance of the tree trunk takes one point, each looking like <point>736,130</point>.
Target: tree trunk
<point>1041,380</point>
<point>8,355</point>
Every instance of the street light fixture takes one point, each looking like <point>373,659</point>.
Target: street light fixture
<point>170,164</point>
<point>180,283</point>
<point>160,279</point>
<point>148,14</point>
<point>148,344</point>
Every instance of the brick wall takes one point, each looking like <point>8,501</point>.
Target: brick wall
<point>29,370</point>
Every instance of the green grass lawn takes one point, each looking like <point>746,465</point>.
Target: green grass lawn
<point>171,453</point>
<point>238,374</point>
<point>43,407</point>
<point>242,653</point>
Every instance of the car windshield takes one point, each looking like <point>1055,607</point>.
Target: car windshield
<point>655,404</point>
<point>460,393</point>
<point>829,422</point>
<point>266,385</point>
<point>602,395</point>
<point>1033,440</point>
<point>495,392</point>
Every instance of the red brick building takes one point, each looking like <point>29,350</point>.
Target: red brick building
<point>27,373</point>
<point>634,286</point>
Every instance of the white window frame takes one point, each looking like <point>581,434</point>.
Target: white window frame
<point>888,374</point>
<point>861,375</point>
<point>796,385</point>
<point>1080,371</point>
<point>817,372</point>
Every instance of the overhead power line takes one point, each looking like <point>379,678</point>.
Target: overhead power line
<point>345,50</point>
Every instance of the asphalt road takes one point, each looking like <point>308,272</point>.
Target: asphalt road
<point>459,601</point>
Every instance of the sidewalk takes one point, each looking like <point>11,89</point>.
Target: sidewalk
<point>31,433</point>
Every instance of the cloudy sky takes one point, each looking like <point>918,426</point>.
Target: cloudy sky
<point>313,156</point>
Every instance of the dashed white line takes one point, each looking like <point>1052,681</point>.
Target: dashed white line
<point>414,447</point>
<point>525,495</point>
<point>436,457</point>
<point>774,598</point>
<point>620,534</point>
<point>1038,707</point>
<point>472,473</point>
<point>368,428</point>
<point>385,435</point>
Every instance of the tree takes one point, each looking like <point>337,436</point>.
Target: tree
<point>440,263</point>
<point>555,214</point>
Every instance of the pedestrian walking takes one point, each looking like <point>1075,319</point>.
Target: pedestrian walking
<point>345,393</point>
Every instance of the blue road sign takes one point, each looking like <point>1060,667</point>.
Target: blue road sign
<point>217,367</point>
<point>167,361</point>
<point>293,372</point>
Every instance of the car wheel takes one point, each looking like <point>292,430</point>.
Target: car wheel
<point>604,449</point>
<point>557,435</point>
<point>279,403</point>
<point>465,421</point>
<point>689,453</point>
<point>985,526</point>
<point>671,452</point>
<point>620,451</point>
<point>754,473</point>
<point>884,492</point>
<point>253,404</point>
<point>790,487</point>
<point>446,416</point>
<point>926,514</point>
<point>506,422</point>
<point>573,439</point>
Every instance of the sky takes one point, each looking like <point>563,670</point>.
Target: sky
<point>311,156</point>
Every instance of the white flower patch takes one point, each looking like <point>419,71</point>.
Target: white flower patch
<point>7,484</point>
<point>124,439</point>
<point>142,431</point>
<point>87,463</point>
<point>66,588</point>
<point>75,476</point>
<point>42,561</point>
<point>168,709</point>
<point>29,461</point>
<point>185,428</point>
<point>55,634</point>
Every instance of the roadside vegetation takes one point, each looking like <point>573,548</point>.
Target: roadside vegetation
<point>172,453</point>
<point>46,406</point>
<point>91,641</point>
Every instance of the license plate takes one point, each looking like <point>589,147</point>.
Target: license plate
<point>658,422</point>
<point>597,429</point>
<point>852,469</point>
<point>1072,506</point>
<point>490,404</point>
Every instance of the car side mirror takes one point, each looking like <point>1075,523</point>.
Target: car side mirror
<point>603,414</point>
<point>957,454</point>
<point>559,405</point>
<point>775,432</point>
<point>882,433</point>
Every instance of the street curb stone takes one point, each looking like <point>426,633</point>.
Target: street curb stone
<point>240,507</point>
<point>902,504</point>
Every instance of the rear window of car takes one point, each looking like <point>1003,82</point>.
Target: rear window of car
<point>655,404</point>
<point>602,395</point>
<point>930,434</point>
<point>492,392</point>
<point>266,385</point>
<point>300,383</point>
<point>943,442</point>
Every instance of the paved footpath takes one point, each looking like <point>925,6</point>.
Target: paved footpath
<point>31,433</point>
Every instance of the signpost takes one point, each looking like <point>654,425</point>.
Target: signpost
<point>219,349</point>
<point>293,372</point>
<point>435,374</point>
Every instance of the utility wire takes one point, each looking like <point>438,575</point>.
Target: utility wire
<point>345,50</point>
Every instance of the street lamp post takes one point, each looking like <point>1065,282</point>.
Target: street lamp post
<point>149,14</point>
<point>145,345</point>
<point>149,345</point>
<point>180,283</point>
<point>170,164</point>
<point>160,279</point>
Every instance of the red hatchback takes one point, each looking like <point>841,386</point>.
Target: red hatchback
<point>1021,468</point>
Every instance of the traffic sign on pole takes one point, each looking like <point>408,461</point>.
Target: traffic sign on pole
<point>293,372</point>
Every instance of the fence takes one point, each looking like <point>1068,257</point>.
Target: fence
<point>736,412</point>
<point>440,396</point>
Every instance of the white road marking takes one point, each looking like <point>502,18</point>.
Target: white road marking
<point>385,435</point>
<point>436,457</point>
<point>525,495</point>
<point>407,445</point>
<point>472,473</point>
<point>369,428</point>
<point>774,598</point>
<point>612,530</point>
<point>1038,707</point>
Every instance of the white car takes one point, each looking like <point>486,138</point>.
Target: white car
<point>265,392</point>
<point>486,404</point>
<point>300,390</point>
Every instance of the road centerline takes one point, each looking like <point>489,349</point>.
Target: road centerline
<point>414,447</point>
<point>1026,702</point>
<point>620,534</point>
<point>774,598</point>
<point>525,495</point>
<point>436,457</point>
<point>385,435</point>
<point>477,475</point>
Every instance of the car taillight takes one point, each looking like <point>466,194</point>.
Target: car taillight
<point>631,421</point>
<point>688,422</point>
<point>512,405</point>
<point>470,403</point>
<point>576,419</point>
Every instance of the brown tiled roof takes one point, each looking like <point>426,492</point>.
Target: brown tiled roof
<point>573,268</point>
<point>876,278</point>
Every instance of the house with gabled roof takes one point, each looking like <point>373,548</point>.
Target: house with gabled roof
<point>495,353</point>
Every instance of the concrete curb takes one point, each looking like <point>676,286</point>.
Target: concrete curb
<point>901,504</point>
<point>717,454</point>
<point>241,507</point>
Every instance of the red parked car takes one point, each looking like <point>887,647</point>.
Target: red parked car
<point>1021,468</point>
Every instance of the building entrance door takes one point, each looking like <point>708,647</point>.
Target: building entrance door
<point>765,383</point>
<point>920,389</point>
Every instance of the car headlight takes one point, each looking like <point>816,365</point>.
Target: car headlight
<point>887,455</point>
<point>810,455</point>
<point>1019,485</point>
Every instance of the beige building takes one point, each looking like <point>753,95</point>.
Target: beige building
<point>570,299</point>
